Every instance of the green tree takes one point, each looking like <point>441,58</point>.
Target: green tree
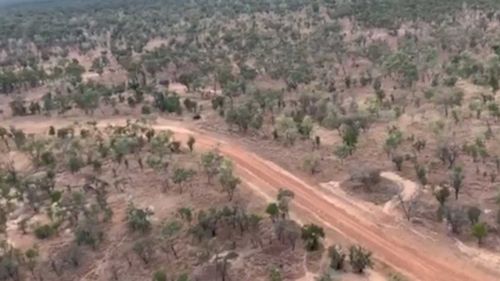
<point>394,139</point>
<point>88,101</point>
<point>400,65</point>
<point>337,257</point>
<point>187,79</point>
<point>287,129</point>
<point>350,135</point>
<point>186,214</point>
<point>479,230</point>
<point>442,195</point>
<point>311,163</point>
<point>191,141</point>
<point>224,75</point>
<point>98,66</point>
<point>473,213</point>
<point>183,277</point>
<point>275,275</point>
<point>74,72</point>
<point>343,151</point>
<point>121,146</point>
<point>477,106</point>
<point>75,162</point>
<point>169,102</point>
<point>273,211</point>
<point>493,82</point>
<point>160,144</point>
<point>52,131</point>
<point>18,136</point>
<point>36,147</point>
<point>284,198</point>
<point>159,275</point>
<point>89,232</point>
<point>359,258</point>
<point>306,127</point>
<point>138,219</point>
<point>227,179</point>
<point>311,234</point>
<point>181,175</point>
<point>449,99</point>
<point>18,107</point>
<point>457,179</point>
<point>421,172</point>
<point>379,92</point>
<point>32,255</point>
<point>4,133</point>
<point>398,160</point>
<point>240,116</point>
<point>44,231</point>
<point>144,248</point>
<point>169,233</point>
<point>210,162</point>
<point>457,219</point>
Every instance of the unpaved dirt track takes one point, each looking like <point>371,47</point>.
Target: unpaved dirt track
<point>409,190</point>
<point>396,253</point>
<point>413,257</point>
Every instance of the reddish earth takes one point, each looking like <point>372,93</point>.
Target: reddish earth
<point>399,248</point>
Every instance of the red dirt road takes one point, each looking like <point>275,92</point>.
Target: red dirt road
<point>417,258</point>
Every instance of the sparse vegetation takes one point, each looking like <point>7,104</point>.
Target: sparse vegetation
<point>328,90</point>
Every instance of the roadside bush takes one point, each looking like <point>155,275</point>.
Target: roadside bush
<point>312,234</point>
<point>337,257</point>
<point>359,258</point>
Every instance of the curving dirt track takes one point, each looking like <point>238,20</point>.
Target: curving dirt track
<point>399,249</point>
<point>399,254</point>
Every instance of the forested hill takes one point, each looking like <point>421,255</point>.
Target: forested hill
<point>20,5</point>
<point>25,2</point>
<point>398,8</point>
